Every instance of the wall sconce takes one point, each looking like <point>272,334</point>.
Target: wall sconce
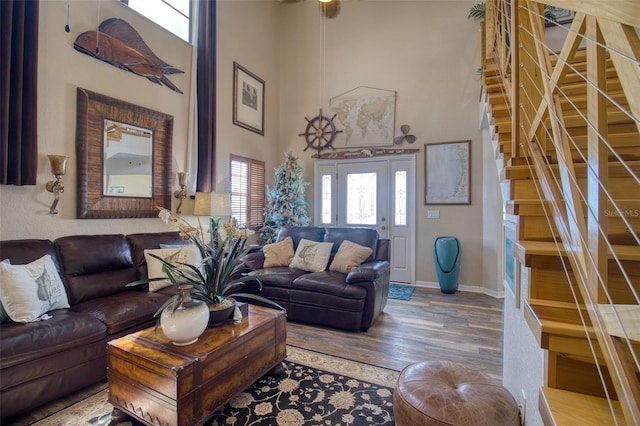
<point>58,168</point>
<point>181,194</point>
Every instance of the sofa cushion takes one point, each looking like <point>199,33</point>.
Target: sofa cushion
<point>123,310</point>
<point>278,254</point>
<point>95,266</point>
<point>349,256</point>
<point>311,256</point>
<point>282,276</point>
<point>367,237</point>
<point>65,329</point>
<point>187,254</point>
<point>28,291</point>
<point>297,233</point>
<point>328,289</point>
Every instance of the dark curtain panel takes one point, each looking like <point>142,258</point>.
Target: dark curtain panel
<point>18,100</point>
<point>206,94</point>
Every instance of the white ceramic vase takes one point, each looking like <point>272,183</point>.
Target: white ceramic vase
<point>187,322</point>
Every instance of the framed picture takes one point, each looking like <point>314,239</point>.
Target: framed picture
<point>511,266</point>
<point>248,99</point>
<point>447,173</point>
<point>563,16</point>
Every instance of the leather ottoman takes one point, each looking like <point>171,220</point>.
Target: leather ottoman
<point>444,393</point>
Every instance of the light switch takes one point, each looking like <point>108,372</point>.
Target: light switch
<point>433,214</point>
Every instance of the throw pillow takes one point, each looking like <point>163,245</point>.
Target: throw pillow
<point>349,256</point>
<point>311,256</point>
<point>3,314</point>
<point>187,254</point>
<point>166,246</point>
<point>29,291</point>
<point>278,254</point>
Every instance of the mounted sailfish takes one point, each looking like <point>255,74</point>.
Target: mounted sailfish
<point>117,43</point>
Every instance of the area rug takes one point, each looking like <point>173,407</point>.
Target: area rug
<point>401,291</point>
<point>314,389</point>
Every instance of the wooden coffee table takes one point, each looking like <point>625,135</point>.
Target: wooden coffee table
<point>157,382</point>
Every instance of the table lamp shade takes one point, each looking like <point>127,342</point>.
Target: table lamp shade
<point>214,204</point>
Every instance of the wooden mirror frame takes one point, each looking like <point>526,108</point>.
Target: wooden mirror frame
<point>93,109</point>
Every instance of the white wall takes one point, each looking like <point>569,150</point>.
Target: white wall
<point>24,210</point>
<point>523,362</point>
<point>428,52</point>
<point>247,33</point>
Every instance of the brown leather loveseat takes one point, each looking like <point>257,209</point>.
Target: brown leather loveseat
<point>45,360</point>
<point>350,301</point>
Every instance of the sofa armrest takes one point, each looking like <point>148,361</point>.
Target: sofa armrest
<point>369,271</point>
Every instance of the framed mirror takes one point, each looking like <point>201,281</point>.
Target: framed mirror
<point>124,158</point>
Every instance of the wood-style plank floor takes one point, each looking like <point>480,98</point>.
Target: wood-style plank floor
<point>463,327</point>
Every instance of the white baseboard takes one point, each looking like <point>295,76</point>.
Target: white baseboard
<point>462,287</point>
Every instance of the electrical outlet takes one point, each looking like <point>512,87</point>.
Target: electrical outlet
<point>522,406</point>
<point>433,214</point>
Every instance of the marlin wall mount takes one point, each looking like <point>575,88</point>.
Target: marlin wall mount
<point>119,44</point>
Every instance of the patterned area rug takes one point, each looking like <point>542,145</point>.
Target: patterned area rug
<point>314,389</point>
<point>401,291</point>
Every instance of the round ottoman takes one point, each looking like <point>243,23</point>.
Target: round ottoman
<point>444,393</point>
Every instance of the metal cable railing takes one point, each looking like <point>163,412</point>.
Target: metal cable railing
<point>576,125</point>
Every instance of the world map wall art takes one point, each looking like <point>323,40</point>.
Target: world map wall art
<point>366,115</point>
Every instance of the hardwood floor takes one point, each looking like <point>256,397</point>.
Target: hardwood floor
<point>464,327</point>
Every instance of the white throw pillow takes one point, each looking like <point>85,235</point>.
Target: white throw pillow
<point>311,256</point>
<point>3,314</point>
<point>187,254</point>
<point>29,291</point>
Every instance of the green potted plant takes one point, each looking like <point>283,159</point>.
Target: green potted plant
<point>478,11</point>
<point>219,272</point>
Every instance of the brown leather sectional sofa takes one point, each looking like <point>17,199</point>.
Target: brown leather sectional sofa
<point>350,301</point>
<point>45,360</point>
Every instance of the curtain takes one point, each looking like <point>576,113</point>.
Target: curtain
<point>18,98</point>
<point>206,94</point>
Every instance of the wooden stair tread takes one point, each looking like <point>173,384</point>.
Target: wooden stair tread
<point>573,118</point>
<point>560,407</point>
<point>534,207</point>
<point>526,207</point>
<point>524,250</point>
<point>547,317</point>
<point>622,320</point>
<point>616,169</point>
<point>620,136</point>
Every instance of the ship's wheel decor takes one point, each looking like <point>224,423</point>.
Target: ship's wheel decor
<point>320,132</point>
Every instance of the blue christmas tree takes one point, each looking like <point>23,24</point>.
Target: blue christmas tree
<point>285,201</point>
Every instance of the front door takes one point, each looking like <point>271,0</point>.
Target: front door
<point>376,193</point>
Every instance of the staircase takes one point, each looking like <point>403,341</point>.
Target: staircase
<point>565,131</point>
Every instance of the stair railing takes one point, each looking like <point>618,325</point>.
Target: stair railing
<point>575,112</point>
